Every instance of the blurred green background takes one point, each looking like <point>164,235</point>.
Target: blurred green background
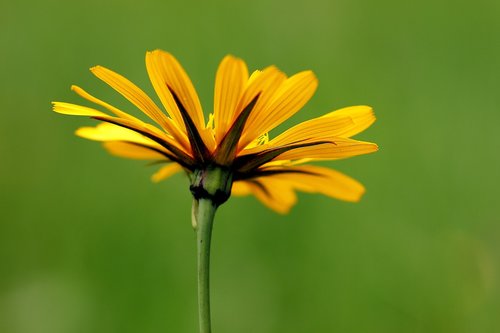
<point>89,244</point>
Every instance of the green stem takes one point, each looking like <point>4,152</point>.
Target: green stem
<point>203,215</point>
<point>211,187</point>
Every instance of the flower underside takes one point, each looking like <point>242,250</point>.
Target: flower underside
<point>246,108</point>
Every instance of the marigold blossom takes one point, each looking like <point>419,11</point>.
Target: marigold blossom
<point>235,137</point>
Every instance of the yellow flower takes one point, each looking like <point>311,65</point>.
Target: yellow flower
<point>246,108</point>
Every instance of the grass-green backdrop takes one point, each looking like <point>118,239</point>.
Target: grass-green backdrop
<point>88,244</point>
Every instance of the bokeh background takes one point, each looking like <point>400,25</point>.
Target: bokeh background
<point>89,244</point>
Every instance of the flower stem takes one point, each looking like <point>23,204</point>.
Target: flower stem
<point>210,187</point>
<point>203,212</point>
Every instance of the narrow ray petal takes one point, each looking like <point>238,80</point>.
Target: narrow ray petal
<point>137,97</point>
<point>159,82</point>
<point>338,148</point>
<point>264,84</point>
<point>248,162</point>
<point>230,82</point>
<point>361,115</point>
<point>240,188</point>
<point>318,129</point>
<point>289,98</point>
<point>76,110</point>
<point>111,132</point>
<point>151,132</point>
<point>132,151</point>
<point>107,132</point>
<point>166,72</point>
<point>315,179</point>
<point>275,194</point>
<point>166,172</point>
<point>97,101</point>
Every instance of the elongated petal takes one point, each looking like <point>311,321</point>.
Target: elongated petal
<point>273,193</point>
<point>111,132</point>
<point>107,132</point>
<point>159,81</point>
<point>230,81</point>
<point>76,110</point>
<point>289,98</point>
<point>263,84</point>
<point>166,172</point>
<point>97,101</point>
<point>361,115</point>
<point>246,163</point>
<point>132,151</point>
<point>338,148</point>
<point>241,188</point>
<point>167,75</point>
<point>315,179</point>
<point>341,123</point>
<point>318,128</point>
<point>177,153</point>
<point>177,95</point>
<point>137,97</point>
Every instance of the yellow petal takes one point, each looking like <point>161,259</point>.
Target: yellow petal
<point>166,172</point>
<point>361,115</point>
<point>132,151</point>
<point>97,101</point>
<point>137,97</point>
<point>240,188</point>
<point>175,77</point>
<point>315,179</point>
<point>318,129</point>
<point>151,131</point>
<point>166,73</point>
<point>158,78</point>
<point>289,98</point>
<point>338,148</point>
<point>342,123</point>
<point>230,81</point>
<point>111,132</point>
<point>274,193</point>
<point>263,83</point>
<point>76,110</point>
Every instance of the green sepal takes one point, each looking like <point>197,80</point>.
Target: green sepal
<point>213,182</point>
<point>247,163</point>
<point>177,155</point>
<point>226,151</point>
<point>200,150</point>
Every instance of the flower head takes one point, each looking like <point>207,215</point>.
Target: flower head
<point>235,137</point>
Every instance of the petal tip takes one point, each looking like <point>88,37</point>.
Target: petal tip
<point>232,58</point>
<point>97,68</point>
<point>357,198</point>
<point>155,179</point>
<point>57,106</point>
<point>155,52</point>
